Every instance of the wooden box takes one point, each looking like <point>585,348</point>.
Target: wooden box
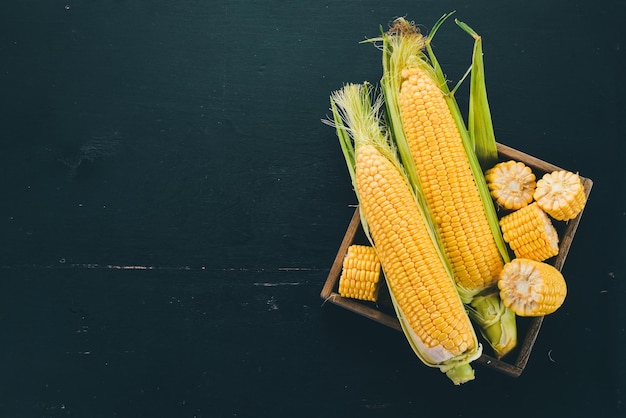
<point>512,364</point>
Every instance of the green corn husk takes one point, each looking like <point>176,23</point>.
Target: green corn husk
<point>479,116</point>
<point>357,121</point>
<point>488,312</point>
<point>496,322</point>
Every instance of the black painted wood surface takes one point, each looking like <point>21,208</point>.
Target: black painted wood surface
<point>172,203</point>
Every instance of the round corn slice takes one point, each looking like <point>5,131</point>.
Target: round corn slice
<point>561,194</point>
<point>511,183</point>
<point>531,288</point>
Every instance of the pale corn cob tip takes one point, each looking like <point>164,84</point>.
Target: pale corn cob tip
<point>561,194</point>
<point>360,276</point>
<point>531,288</point>
<point>511,183</point>
<point>530,233</point>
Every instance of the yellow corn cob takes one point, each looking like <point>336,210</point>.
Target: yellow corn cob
<point>530,233</point>
<point>561,194</point>
<point>511,183</point>
<point>445,175</point>
<point>422,290</point>
<point>531,288</point>
<point>414,271</point>
<point>428,135</point>
<point>360,275</point>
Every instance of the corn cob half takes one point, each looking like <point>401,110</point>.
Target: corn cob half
<point>532,288</point>
<point>422,290</point>
<point>530,233</point>
<point>436,150</point>
<point>360,275</point>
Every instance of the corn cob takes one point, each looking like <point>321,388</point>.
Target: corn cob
<point>444,171</point>
<point>438,162</point>
<point>512,184</point>
<point>531,288</point>
<point>561,194</point>
<point>360,274</point>
<point>427,304</point>
<point>530,233</point>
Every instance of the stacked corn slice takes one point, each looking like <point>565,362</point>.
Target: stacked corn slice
<point>429,132</point>
<point>423,293</point>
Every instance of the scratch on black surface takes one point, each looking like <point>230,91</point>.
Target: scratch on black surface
<point>63,265</point>
<point>278,284</point>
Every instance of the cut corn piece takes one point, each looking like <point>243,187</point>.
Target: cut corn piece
<point>511,183</point>
<point>423,293</point>
<point>361,273</point>
<point>531,288</point>
<point>561,194</point>
<point>530,233</point>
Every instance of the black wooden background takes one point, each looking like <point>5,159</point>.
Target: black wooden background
<point>171,205</point>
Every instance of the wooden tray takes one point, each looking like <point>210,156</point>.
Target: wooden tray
<point>512,364</point>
